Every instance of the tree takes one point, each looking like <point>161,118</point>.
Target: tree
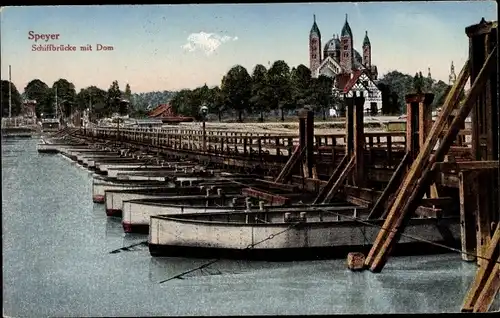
<point>66,95</point>
<point>399,85</point>
<point>16,100</point>
<point>236,87</point>
<point>301,85</point>
<point>113,98</point>
<point>260,91</point>
<point>180,103</point>
<point>37,90</point>
<point>94,98</point>
<point>280,84</point>
<point>389,100</point>
<point>127,95</point>
<point>322,98</point>
<point>216,104</point>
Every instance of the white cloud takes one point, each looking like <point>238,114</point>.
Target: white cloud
<point>206,42</point>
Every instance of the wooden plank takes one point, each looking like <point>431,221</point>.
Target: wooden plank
<point>272,199</point>
<point>343,176</point>
<point>276,185</point>
<point>483,272</point>
<point>450,167</point>
<point>331,180</point>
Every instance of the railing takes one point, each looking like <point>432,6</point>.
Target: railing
<point>241,143</point>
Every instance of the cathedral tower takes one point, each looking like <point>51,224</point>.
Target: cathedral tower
<point>314,46</point>
<point>367,52</point>
<point>346,48</point>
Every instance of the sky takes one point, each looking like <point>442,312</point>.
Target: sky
<point>171,47</point>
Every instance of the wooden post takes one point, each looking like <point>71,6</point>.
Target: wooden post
<point>349,134</point>
<point>359,141</point>
<point>302,135</point>
<point>482,40</point>
<point>467,215</point>
<point>310,142</point>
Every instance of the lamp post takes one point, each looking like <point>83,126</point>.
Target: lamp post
<point>204,112</point>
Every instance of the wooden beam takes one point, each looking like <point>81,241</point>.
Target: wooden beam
<point>420,174</point>
<point>343,176</point>
<point>490,289</point>
<point>331,181</point>
<point>296,157</point>
<point>272,199</point>
<point>456,167</point>
<point>277,185</point>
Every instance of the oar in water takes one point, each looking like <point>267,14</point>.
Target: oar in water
<point>127,248</point>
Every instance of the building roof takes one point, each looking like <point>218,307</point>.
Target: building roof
<point>165,113</point>
<point>355,76</point>
<point>342,80</point>
<point>162,110</point>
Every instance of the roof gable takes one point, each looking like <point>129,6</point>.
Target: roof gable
<point>359,76</point>
<point>161,110</point>
<point>330,64</point>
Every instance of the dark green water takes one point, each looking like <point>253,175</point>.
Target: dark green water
<point>56,262</point>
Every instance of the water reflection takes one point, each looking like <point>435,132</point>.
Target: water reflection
<point>114,227</point>
<point>57,263</point>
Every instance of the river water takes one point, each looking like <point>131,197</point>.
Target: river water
<point>56,262</point>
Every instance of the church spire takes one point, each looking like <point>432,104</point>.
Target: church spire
<point>452,78</point>
<point>346,30</point>
<point>314,28</point>
<point>366,41</point>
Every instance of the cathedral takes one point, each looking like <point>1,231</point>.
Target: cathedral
<point>352,72</point>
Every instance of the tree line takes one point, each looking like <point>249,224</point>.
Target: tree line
<point>103,103</point>
<point>284,89</point>
<point>279,89</point>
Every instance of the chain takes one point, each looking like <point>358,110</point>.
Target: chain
<point>270,237</point>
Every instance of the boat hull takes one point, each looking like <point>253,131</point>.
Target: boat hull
<point>173,236</point>
<point>136,215</point>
